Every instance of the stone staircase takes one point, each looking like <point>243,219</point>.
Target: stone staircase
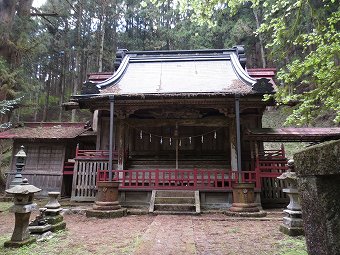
<point>175,202</point>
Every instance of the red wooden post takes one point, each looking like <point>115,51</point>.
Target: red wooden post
<point>130,178</point>
<point>157,178</point>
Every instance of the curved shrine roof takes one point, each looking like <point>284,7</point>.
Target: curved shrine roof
<point>179,72</point>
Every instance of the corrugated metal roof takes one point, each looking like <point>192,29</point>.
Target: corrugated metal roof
<point>46,130</point>
<point>293,134</point>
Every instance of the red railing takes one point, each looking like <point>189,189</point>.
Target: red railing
<point>178,179</point>
<point>68,168</point>
<point>270,164</point>
<point>272,154</point>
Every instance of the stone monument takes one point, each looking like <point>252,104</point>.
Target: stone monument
<point>23,206</point>
<point>52,212</point>
<point>292,221</point>
<point>318,171</point>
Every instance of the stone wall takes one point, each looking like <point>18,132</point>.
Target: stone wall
<point>318,169</point>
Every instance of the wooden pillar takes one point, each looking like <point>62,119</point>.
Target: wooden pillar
<point>121,144</point>
<point>238,133</point>
<point>98,129</point>
<point>112,137</point>
<point>233,142</point>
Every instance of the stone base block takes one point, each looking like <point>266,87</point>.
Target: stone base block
<point>18,244</point>
<point>39,229</point>
<point>106,206</point>
<point>244,207</point>
<point>106,214</point>
<point>258,214</point>
<point>292,231</point>
<point>292,222</point>
<point>58,226</point>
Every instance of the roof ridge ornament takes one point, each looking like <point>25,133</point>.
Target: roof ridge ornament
<point>120,54</point>
<point>241,55</point>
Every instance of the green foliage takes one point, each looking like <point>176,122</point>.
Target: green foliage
<point>306,36</point>
<point>303,40</point>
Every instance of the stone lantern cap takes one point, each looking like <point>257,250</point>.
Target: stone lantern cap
<point>290,174</point>
<point>23,189</point>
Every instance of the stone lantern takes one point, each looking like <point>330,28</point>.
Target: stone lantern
<point>23,206</point>
<point>292,221</point>
<point>20,163</point>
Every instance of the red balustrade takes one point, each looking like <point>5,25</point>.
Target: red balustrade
<point>270,164</point>
<point>195,179</point>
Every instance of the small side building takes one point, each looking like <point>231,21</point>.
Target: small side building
<point>50,149</point>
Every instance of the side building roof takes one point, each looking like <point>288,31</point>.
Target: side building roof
<point>45,130</point>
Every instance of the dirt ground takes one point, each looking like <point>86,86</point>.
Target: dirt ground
<point>207,234</point>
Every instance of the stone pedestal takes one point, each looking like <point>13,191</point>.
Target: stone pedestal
<point>52,213</point>
<point>244,201</point>
<point>318,171</point>
<point>107,204</point>
<point>292,221</point>
<point>23,206</point>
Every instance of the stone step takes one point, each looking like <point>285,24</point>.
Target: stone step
<point>158,212</point>
<point>175,200</point>
<point>175,207</point>
<point>175,193</point>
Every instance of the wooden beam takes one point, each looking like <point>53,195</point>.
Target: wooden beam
<point>207,122</point>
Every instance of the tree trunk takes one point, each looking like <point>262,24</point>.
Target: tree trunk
<point>102,37</point>
<point>47,98</point>
<point>263,56</point>
<point>7,13</point>
<point>78,70</point>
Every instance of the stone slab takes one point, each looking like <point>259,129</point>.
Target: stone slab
<point>18,244</point>
<point>39,229</point>
<point>291,231</point>
<point>292,223</point>
<point>318,169</point>
<point>322,159</point>
<point>106,214</point>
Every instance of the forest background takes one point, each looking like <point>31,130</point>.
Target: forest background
<point>46,53</point>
